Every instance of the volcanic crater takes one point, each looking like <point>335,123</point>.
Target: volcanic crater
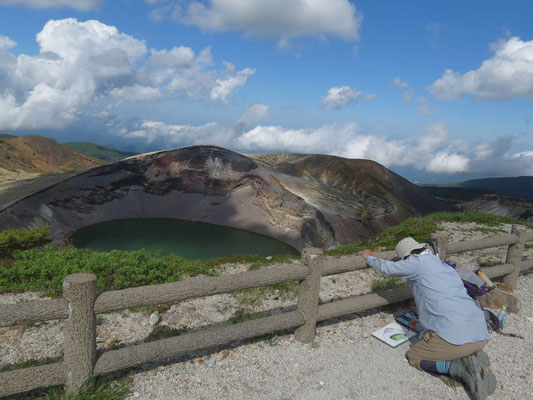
<point>302,200</point>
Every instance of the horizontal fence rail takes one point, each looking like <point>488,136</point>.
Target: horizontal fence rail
<point>363,302</point>
<point>116,360</point>
<point>201,286</point>
<point>479,244</point>
<point>33,311</point>
<point>338,265</point>
<point>24,380</point>
<point>81,304</point>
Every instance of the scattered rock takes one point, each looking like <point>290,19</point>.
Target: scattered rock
<point>269,258</point>
<point>495,299</point>
<point>154,318</point>
<point>223,355</point>
<point>110,343</point>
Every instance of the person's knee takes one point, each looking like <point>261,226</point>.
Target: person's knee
<point>413,360</point>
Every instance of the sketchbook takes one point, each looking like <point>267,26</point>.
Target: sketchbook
<point>393,334</point>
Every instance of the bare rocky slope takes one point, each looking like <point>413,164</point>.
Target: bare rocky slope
<point>500,205</point>
<point>37,154</point>
<point>303,200</point>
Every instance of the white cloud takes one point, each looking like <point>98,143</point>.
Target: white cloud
<point>82,63</point>
<point>282,19</point>
<point>508,74</point>
<point>256,113</point>
<point>431,151</point>
<point>137,93</point>
<point>41,4</point>
<point>225,86</point>
<point>176,57</point>
<point>182,135</point>
<point>408,94</point>
<point>338,97</point>
<point>435,136</point>
<point>6,43</point>
<point>276,138</point>
<point>447,163</point>
<point>400,83</point>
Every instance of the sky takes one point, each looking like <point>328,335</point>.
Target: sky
<point>439,92</point>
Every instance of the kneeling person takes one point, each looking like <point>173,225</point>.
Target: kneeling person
<point>453,327</point>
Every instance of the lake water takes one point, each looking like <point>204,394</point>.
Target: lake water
<point>184,238</point>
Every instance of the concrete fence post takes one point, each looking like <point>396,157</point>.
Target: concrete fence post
<point>308,294</point>
<point>441,237</point>
<point>514,256</point>
<point>80,329</point>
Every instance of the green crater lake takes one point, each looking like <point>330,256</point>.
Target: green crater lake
<point>183,238</point>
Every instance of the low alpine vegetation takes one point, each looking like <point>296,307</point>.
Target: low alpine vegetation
<point>421,228</point>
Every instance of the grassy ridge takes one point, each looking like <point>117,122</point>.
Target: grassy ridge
<point>98,151</point>
<point>6,136</point>
<point>421,228</point>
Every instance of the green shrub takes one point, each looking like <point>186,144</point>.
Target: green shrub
<point>95,388</point>
<point>21,239</point>
<point>45,269</point>
<point>242,315</point>
<point>421,229</point>
<point>387,283</point>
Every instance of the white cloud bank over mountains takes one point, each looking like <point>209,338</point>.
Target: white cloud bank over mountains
<point>431,151</point>
<point>262,18</point>
<point>508,74</point>
<point>83,63</point>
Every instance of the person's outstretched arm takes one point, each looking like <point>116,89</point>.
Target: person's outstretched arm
<point>408,269</point>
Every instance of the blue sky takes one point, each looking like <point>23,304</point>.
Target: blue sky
<point>437,91</point>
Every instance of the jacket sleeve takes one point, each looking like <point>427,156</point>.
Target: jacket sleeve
<point>408,269</point>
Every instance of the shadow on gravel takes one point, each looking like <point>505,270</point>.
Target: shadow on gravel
<point>270,339</point>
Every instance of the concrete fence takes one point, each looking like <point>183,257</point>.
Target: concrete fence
<point>81,303</point>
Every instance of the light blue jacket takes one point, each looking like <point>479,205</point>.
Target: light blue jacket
<point>444,306</point>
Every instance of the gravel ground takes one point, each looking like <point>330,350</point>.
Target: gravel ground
<point>345,362</point>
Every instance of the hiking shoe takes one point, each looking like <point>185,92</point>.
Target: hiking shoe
<point>468,371</point>
<point>449,381</point>
<point>486,373</point>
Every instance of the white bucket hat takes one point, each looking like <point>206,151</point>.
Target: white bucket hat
<point>406,246</point>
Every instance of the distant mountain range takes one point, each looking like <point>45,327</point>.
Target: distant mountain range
<point>520,187</point>
<point>511,197</point>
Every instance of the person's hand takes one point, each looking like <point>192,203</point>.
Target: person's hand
<point>366,253</point>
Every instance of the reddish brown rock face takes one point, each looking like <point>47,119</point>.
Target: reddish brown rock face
<point>303,200</point>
